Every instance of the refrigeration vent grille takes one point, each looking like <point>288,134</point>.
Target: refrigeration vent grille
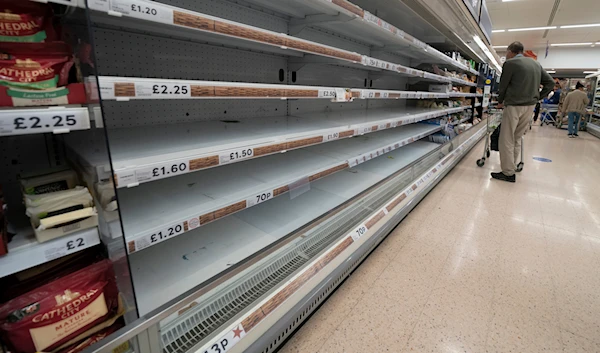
<point>217,310</point>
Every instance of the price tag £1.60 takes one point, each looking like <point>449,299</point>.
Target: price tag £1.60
<point>37,121</point>
<point>166,170</point>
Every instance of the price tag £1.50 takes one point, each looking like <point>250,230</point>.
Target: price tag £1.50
<point>37,121</point>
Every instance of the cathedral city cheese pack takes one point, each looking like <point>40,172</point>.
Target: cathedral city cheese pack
<point>55,313</point>
<point>25,21</point>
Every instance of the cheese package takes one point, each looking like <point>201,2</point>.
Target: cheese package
<point>55,203</point>
<point>25,21</point>
<point>97,337</point>
<point>58,312</point>
<point>35,65</point>
<point>63,180</point>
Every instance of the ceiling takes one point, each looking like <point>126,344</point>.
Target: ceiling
<point>539,13</point>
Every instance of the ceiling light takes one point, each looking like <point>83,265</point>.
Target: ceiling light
<point>581,26</point>
<point>551,71</point>
<point>487,52</point>
<point>531,29</point>
<point>569,44</point>
<point>590,72</point>
<point>498,30</point>
<point>499,46</point>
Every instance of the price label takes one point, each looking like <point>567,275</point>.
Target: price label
<point>365,129</point>
<point>70,244</point>
<point>327,93</point>
<point>162,171</point>
<point>141,9</point>
<point>226,342</point>
<point>382,126</point>
<point>408,192</point>
<point>385,94</point>
<point>159,236</point>
<point>163,90</point>
<point>236,155</point>
<point>359,232</point>
<point>331,136</point>
<point>369,94</point>
<point>33,121</point>
<point>259,198</point>
<point>420,182</point>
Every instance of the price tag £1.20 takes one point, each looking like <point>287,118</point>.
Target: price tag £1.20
<point>141,9</point>
<point>37,121</point>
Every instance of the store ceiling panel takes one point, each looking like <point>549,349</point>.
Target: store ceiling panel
<point>539,13</point>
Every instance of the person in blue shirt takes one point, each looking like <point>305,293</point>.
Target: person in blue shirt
<point>555,99</point>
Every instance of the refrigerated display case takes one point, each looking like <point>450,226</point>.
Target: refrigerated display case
<point>593,125</point>
<point>242,159</point>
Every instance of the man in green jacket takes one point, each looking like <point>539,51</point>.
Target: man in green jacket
<point>519,92</point>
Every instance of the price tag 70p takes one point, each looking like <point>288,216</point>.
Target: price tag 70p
<point>359,232</point>
<point>259,198</point>
<point>37,121</point>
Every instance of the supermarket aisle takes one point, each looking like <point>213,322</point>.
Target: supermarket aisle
<point>481,265</point>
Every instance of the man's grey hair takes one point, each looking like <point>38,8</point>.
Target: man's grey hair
<point>516,47</point>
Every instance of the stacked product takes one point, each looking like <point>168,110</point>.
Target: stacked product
<point>35,68</point>
<point>57,206</point>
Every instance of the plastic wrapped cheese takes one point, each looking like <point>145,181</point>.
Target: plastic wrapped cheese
<point>63,180</point>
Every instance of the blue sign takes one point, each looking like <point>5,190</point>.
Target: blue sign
<point>542,159</point>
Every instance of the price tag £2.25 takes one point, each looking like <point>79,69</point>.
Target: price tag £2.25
<point>37,121</point>
<point>162,90</point>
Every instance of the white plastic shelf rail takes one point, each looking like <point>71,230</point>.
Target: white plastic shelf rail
<point>149,153</point>
<point>25,252</point>
<point>175,206</point>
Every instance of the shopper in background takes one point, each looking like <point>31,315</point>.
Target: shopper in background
<point>519,92</point>
<point>554,96</point>
<point>574,106</point>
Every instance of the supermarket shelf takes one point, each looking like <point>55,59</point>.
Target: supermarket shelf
<point>197,199</point>
<point>169,20</point>
<point>57,120</point>
<point>345,18</point>
<point>127,88</point>
<point>25,252</point>
<point>593,129</point>
<point>206,251</point>
<point>144,154</point>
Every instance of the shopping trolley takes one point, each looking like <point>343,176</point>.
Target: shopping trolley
<point>546,116</point>
<point>491,138</point>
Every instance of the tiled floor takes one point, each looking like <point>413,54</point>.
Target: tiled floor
<point>482,265</point>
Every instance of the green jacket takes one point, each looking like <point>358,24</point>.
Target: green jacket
<point>520,82</point>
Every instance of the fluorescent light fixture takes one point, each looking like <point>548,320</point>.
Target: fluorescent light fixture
<point>581,26</point>
<point>487,53</point>
<point>551,71</point>
<point>531,29</point>
<point>498,30</point>
<point>569,44</point>
<point>590,72</point>
<point>499,46</point>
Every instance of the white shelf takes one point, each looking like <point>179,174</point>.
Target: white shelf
<point>57,120</point>
<point>171,207</point>
<point>352,21</point>
<point>196,256</point>
<point>139,154</point>
<point>170,20</point>
<point>128,88</point>
<point>461,94</point>
<point>25,252</point>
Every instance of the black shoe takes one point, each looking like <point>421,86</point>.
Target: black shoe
<point>575,135</point>
<point>503,177</point>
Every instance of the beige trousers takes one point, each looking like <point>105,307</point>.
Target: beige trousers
<point>515,121</point>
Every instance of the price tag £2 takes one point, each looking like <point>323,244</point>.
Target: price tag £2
<point>37,121</point>
<point>70,244</point>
